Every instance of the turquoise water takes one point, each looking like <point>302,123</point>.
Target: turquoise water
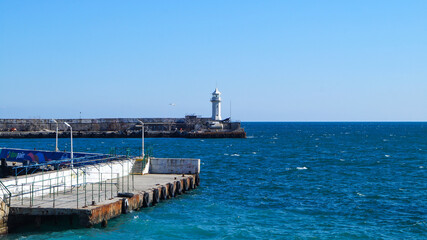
<point>285,181</point>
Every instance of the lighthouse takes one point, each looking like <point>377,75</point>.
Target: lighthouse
<point>216,105</point>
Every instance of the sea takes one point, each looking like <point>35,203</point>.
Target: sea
<point>286,180</point>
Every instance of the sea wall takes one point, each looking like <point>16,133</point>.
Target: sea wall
<point>188,127</point>
<point>174,166</point>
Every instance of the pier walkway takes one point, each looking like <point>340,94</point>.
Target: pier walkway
<point>97,203</point>
<point>92,194</point>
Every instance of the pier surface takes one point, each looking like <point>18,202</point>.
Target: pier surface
<point>100,202</point>
<point>93,190</point>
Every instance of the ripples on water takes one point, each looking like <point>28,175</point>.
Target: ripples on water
<point>286,180</point>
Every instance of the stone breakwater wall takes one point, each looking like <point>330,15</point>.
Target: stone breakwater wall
<point>188,127</point>
<point>97,124</point>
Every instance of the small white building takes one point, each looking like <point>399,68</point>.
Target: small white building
<point>216,105</point>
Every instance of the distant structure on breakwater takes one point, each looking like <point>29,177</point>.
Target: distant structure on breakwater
<point>190,126</point>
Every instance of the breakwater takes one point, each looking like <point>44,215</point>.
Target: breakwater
<point>188,127</point>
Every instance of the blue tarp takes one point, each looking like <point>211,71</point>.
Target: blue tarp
<point>34,156</point>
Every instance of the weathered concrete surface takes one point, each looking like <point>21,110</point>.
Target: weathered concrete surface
<point>188,127</point>
<point>174,166</point>
<point>148,191</point>
<point>4,214</point>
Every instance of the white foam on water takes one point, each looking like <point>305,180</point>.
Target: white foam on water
<point>387,156</point>
<point>421,167</point>
<point>360,194</point>
<point>302,168</point>
<point>249,136</point>
<point>226,154</point>
<point>235,155</point>
<point>253,152</point>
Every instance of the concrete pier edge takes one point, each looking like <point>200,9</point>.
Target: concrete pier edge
<point>100,214</point>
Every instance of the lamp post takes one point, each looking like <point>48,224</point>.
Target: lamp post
<point>142,137</point>
<point>56,138</point>
<point>71,134</point>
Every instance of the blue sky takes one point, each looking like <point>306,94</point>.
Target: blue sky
<point>273,60</point>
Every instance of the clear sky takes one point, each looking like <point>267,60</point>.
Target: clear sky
<point>273,60</point>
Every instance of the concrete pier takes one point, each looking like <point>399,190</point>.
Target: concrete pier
<point>93,194</point>
<point>148,190</point>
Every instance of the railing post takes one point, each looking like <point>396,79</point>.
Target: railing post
<point>99,191</point>
<point>22,192</point>
<point>77,188</point>
<point>53,197</point>
<point>31,194</point>
<point>71,180</point>
<point>128,175</point>
<point>117,183</point>
<point>42,183</point>
<point>111,182</point>
<point>84,179</point>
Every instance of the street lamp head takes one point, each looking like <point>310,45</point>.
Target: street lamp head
<point>67,124</point>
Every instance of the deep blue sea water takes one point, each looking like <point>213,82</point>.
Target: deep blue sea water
<point>285,181</point>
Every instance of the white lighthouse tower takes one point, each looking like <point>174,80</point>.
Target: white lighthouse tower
<point>216,105</point>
